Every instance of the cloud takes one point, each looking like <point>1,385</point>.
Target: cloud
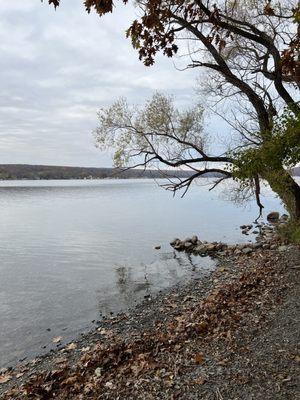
<point>58,68</point>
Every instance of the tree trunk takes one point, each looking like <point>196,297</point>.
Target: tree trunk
<point>282,183</point>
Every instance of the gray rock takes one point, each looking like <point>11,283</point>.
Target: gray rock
<point>175,242</point>
<point>267,228</point>
<point>211,247</point>
<point>178,247</point>
<point>282,248</point>
<point>194,239</point>
<point>200,249</point>
<point>188,245</point>
<point>284,217</point>
<point>247,250</point>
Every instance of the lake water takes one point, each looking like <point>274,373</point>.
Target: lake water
<point>72,251</point>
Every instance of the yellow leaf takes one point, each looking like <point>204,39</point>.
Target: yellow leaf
<point>71,346</point>
<point>57,339</point>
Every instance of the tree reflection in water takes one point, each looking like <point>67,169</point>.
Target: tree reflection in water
<point>132,284</point>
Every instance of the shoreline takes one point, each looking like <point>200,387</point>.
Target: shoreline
<point>141,344</point>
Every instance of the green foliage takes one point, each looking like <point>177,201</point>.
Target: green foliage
<point>290,232</point>
<point>281,148</point>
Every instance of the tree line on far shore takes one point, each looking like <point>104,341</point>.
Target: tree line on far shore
<point>35,172</point>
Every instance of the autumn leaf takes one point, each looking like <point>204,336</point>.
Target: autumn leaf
<point>71,380</point>
<point>57,339</point>
<point>297,359</point>
<point>71,346</point>
<point>5,379</point>
<point>200,381</point>
<point>199,358</point>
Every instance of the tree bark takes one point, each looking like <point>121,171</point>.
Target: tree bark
<point>283,184</point>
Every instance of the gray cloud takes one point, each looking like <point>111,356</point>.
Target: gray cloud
<point>58,68</point>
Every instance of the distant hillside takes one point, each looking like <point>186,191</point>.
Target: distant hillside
<point>24,171</point>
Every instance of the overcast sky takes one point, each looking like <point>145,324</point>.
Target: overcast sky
<point>58,68</point>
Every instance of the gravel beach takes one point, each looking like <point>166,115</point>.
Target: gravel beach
<point>232,335</point>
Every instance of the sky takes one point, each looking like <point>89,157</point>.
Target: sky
<point>58,68</point>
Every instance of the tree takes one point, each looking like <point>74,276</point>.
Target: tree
<point>251,52</point>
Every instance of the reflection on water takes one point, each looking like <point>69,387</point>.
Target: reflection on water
<point>73,250</point>
<point>133,285</point>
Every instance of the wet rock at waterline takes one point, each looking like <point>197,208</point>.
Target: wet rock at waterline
<point>273,216</point>
<point>266,238</point>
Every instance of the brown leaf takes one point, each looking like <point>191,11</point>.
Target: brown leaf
<point>202,327</point>
<point>199,358</point>
<point>200,381</point>
<point>70,381</point>
<point>4,379</point>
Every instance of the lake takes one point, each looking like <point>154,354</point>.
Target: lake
<point>72,251</point>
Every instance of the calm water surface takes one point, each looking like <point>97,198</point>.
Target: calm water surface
<point>72,251</point>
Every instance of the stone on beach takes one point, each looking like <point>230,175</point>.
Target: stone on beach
<point>273,216</point>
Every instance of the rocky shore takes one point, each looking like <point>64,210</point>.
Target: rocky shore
<point>266,238</point>
<point>232,335</point>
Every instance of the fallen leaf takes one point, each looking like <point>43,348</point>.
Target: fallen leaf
<point>71,346</point>
<point>57,339</point>
<point>70,381</point>
<point>200,381</point>
<point>61,360</point>
<point>4,379</point>
<point>199,358</point>
<point>202,327</point>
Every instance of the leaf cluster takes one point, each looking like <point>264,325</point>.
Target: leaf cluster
<point>282,148</point>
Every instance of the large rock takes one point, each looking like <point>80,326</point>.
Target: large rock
<point>273,216</point>
<point>175,242</point>
<point>201,249</point>
<point>211,247</point>
<point>188,245</point>
<point>247,250</point>
<point>194,239</point>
